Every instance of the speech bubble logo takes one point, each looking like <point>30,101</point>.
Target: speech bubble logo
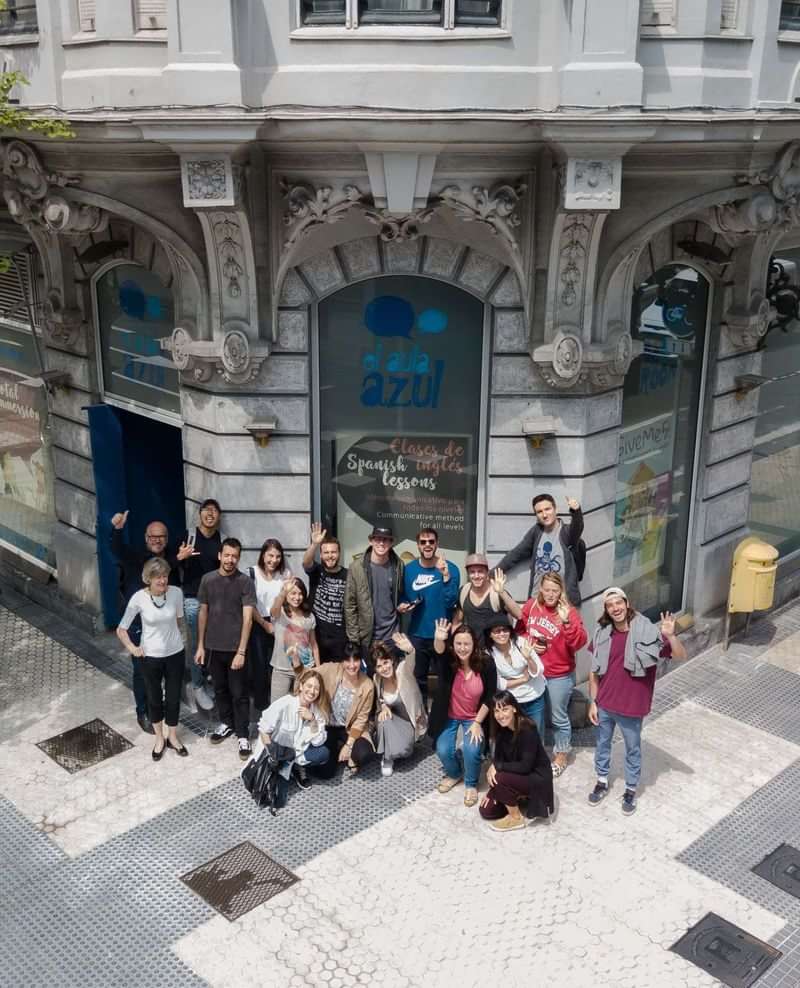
<point>432,321</point>
<point>389,315</point>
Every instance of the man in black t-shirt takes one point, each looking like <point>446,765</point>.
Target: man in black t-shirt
<point>327,580</point>
<point>198,554</point>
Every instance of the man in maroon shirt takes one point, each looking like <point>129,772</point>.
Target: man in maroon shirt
<point>625,650</point>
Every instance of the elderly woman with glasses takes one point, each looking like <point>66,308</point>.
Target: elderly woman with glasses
<point>401,720</point>
<point>160,610</point>
<point>520,777</point>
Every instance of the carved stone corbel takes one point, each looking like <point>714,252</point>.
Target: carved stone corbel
<point>62,325</point>
<point>570,283</point>
<point>230,356</point>
<point>568,364</point>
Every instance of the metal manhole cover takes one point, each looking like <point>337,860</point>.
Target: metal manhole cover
<point>239,880</point>
<point>782,868</point>
<point>726,952</point>
<point>84,746</point>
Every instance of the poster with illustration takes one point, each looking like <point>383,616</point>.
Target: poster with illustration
<point>643,500</point>
<point>404,482</point>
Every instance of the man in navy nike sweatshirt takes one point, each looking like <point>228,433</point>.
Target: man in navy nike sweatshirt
<point>430,592</point>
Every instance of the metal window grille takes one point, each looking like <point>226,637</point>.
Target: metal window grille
<point>86,14</point>
<point>480,12</point>
<point>790,17</point>
<point>19,17</point>
<point>658,13</point>
<point>151,15</point>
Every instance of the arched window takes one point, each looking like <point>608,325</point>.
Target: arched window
<point>399,412</point>
<point>660,412</point>
<point>134,312</point>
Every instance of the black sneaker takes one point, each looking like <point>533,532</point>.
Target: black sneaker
<point>599,793</point>
<point>629,802</point>
<point>222,732</point>
<point>301,777</point>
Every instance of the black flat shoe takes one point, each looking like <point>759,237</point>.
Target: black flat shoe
<point>179,749</point>
<point>144,722</point>
<point>158,755</point>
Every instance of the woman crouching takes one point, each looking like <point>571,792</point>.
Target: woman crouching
<point>297,721</point>
<point>520,770</point>
<point>402,720</point>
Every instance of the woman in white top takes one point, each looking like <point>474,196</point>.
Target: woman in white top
<point>160,607</point>
<point>297,721</point>
<point>519,670</point>
<point>269,574</point>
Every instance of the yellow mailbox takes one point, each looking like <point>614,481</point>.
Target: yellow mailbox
<point>755,564</point>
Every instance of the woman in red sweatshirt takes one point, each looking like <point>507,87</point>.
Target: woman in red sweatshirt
<point>556,632</point>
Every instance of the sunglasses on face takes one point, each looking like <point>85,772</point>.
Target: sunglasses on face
<point>427,541</point>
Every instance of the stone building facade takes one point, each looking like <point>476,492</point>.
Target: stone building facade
<point>406,260</point>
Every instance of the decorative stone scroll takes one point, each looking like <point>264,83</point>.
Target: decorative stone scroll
<point>34,197</point>
<point>231,356</point>
<point>569,363</point>
<point>308,206</point>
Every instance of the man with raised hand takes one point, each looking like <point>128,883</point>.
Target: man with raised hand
<point>327,580</point>
<point>430,593</point>
<point>551,547</point>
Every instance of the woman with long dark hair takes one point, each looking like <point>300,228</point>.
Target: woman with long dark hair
<point>352,696</point>
<point>467,680</point>
<point>520,771</point>
<point>268,575</point>
<point>295,642</point>
<point>401,720</point>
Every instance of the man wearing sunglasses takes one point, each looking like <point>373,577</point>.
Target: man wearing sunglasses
<point>430,593</point>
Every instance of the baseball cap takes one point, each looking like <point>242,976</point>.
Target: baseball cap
<point>614,592</point>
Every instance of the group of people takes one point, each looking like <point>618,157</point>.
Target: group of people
<point>337,672</point>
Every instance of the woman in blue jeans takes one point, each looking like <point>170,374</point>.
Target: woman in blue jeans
<point>519,670</point>
<point>466,683</point>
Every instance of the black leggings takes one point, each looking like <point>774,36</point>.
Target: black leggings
<point>337,737</point>
<point>259,652</point>
<point>164,700</point>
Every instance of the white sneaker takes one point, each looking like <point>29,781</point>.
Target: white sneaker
<point>387,766</point>
<point>244,749</point>
<point>203,698</point>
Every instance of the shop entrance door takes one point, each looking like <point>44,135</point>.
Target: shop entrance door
<point>138,467</point>
<point>660,416</point>
<point>399,414</point>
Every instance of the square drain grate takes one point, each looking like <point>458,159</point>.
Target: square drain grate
<point>782,868</point>
<point>239,880</point>
<point>84,746</point>
<point>726,952</point>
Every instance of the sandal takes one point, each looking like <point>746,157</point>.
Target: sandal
<point>447,784</point>
<point>470,797</point>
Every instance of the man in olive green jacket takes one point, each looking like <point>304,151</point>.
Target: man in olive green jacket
<point>372,593</point>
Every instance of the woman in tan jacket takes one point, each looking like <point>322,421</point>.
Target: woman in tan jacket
<point>352,696</point>
<point>402,719</point>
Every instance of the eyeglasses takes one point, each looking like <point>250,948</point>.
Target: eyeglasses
<point>427,541</point>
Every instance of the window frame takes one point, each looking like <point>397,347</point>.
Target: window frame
<point>448,30</point>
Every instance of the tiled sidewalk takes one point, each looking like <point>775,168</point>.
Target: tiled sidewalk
<point>398,886</point>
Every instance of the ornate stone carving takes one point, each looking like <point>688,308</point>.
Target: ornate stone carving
<point>497,207</point>
<point>34,199</point>
<point>746,216</point>
<point>208,180</point>
<point>748,324</point>
<point>568,363</point>
<point>593,183</point>
<point>573,252</point>
<point>308,207</point>
<point>62,325</point>
<point>232,357</point>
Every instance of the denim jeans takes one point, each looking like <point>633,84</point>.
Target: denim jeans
<point>534,710</point>
<point>559,690</point>
<point>631,728</point>
<point>191,608</point>
<point>464,761</point>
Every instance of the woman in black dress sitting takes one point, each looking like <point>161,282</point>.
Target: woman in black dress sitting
<point>520,770</point>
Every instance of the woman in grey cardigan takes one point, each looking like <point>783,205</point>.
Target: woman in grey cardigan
<point>402,719</point>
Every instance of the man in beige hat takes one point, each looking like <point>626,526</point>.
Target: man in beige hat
<point>481,598</point>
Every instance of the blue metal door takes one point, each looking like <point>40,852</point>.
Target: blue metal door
<point>108,464</point>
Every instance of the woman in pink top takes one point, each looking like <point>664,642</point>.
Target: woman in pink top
<point>555,628</point>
